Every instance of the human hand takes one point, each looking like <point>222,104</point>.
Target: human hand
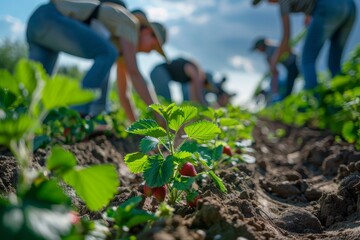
<point>307,20</point>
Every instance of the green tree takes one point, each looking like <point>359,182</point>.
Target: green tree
<point>11,51</point>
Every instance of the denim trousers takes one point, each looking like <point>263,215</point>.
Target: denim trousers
<point>49,33</point>
<point>292,73</point>
<point>332,20</point>
<point>161,79</point>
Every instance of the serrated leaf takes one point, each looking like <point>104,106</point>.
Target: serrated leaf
<point>60,160</point>
<point>177,120</point>
<point>227,122</point>
<point>182,155</point>
<point>136,162</point>
<point>139,217</point>
<point>147,127</point>
<point>29,74</point>
<point>189,146</point>
<point>348,131</point>
<point>96,185</point>
<point>159,171</point>
<point>7,81</point>
<point>218,182</point>
<point>62,91</point>
<point>164,111</point>
<point>202,131</point>
<point>14,128</point>
<point>184,183</point>
<point>148,143</point>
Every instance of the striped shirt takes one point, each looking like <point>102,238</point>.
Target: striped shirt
<point>117,19</point>
<point>294,6</point>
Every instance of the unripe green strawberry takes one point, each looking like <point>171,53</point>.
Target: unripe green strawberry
<point>159,193</point>
<point>227,151</point>
<point>188,170</point>
<point>148,191</point>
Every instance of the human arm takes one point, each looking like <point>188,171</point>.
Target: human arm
<point>284,45</point>
<point>132,71</point>
<point>122,90</point>
<point>197,77</point>
<point>307,20</point>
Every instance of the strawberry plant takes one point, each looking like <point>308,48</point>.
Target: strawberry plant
<point>26,99</point>
<point>127,216</point>
<point>167,158</point>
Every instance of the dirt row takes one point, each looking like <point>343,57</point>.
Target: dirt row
<point>304,185</point>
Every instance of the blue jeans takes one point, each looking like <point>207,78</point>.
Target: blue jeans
<point>161,78</point>
<point>49,33</point>
<point>332,20</point>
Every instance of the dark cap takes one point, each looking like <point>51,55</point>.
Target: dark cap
<point>256,2</point>
<point>258,43</point>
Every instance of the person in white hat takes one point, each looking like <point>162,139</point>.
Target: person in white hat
<point>63,26</point>
<point>330,20</point>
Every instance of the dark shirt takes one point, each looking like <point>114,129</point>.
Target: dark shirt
<point>294,6</point>
<point>176,69</point>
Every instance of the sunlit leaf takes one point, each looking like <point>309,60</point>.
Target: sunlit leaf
<point>202,131</point>
<point>96,185</point>
<point>147,127</point>
<point>177,120</point>
<point>136,162</point>
<point>219,183</point>
<point>61,92</point>
<point>148,143</point>
<point>60,160</point>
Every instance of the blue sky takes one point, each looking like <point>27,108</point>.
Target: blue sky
<point>216,33</point>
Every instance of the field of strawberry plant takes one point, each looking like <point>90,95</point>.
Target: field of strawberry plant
<point>291,171</point>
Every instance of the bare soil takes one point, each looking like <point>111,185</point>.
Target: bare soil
<point>304,185</point>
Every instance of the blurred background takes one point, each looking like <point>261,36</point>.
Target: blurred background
<point>218,34</point>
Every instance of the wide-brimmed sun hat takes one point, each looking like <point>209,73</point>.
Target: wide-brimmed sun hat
<point>158,29</point>
<point>118,2</point>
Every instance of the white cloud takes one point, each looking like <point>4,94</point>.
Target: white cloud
<point>241,63</point>
<point>11,27</point>
<point>174,31</point>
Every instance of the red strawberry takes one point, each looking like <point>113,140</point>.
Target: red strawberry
<point>227,150</point>
<point>160,193</point>
<point>74,217</point>
<point>148,191</point>
<point>188,170</point>
<point>192,202</point>
<point>66,131</point>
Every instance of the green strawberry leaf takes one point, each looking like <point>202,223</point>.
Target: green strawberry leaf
<point>202,131</point>
<point>136,162</point>
<point>227,122</point>
<point>62,91</point>
<point>60,160</point>
<point>177,120</point>
<point>159,171</point>
<point>147,127</point>
<point>148,143</point>
<point>96,185</point>
<point>184,183</point>
<point>219,183</point>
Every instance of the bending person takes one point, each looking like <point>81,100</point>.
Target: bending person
<point>184,71</point>
<point>63,26</point>
<point>266,47</point>
<point>328,20</point>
